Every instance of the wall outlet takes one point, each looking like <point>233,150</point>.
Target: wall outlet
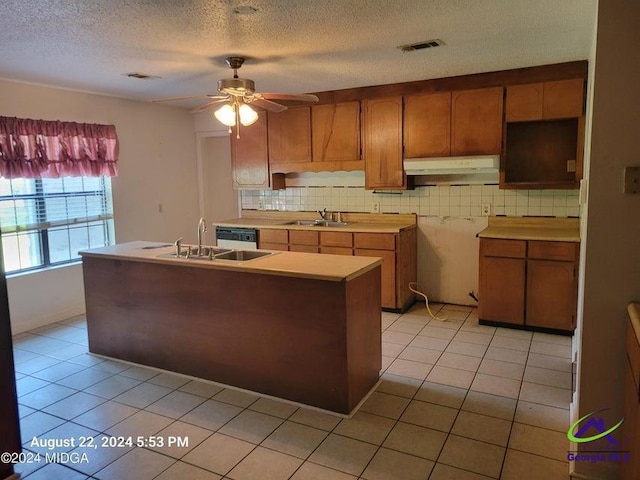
<point>375,207</point>
<point>260,204</point>
<point>486,209</point>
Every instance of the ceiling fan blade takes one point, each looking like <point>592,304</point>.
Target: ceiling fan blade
<point>190,97</point>
<point>298,97</point>
<point>266,104</point>
<point>209,104</point>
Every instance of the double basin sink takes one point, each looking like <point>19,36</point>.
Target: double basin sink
<point>215,253</point>
<point>317,223</point>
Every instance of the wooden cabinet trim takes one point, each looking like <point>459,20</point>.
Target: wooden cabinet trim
<point>633,355</point>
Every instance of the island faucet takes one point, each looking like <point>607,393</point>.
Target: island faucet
<point>202,229</point>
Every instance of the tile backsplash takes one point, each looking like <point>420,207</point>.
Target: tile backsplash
<point>438,201</point>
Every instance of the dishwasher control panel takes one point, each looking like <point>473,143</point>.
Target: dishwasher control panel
<point>249,235</point>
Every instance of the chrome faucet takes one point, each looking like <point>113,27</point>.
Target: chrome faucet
<point>323,214</point>
<point>202,229</point>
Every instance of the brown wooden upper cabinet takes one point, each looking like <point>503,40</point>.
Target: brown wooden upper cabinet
<point>545,100</point>
<point>427,125</point>
<point>476,121</point>
<point>249,158</point>
<point>290,135</point>
<point>544,135</point>
<point>382,143</point>
<point>336,132</point>
<point>463,122</point>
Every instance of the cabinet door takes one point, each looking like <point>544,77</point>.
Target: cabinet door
<point>249,156</point>
<point>382,143</point>
<point>273,239</point>
<point>551,294</point>
<point>388,293</point>
<point>335,132</point>
<point>501,289</point>
<point>476,121</point>
<point>427,125</point>
<point>524,102</point>
<point>290,135</point>
<point>563,99</point>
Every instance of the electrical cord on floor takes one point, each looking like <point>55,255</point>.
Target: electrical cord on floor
<point>415,288</point>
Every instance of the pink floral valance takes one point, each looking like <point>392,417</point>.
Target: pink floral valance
<point>41,148</point>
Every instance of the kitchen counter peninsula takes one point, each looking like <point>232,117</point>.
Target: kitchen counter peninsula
<point>298,326</point>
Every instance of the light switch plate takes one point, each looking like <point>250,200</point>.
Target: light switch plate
<point>631,180</point>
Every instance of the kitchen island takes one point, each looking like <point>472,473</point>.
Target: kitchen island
<point>298,326</point>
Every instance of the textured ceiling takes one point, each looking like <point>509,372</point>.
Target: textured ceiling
<point>292,46</point>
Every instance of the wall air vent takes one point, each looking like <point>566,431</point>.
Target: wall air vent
<point>421,45</point>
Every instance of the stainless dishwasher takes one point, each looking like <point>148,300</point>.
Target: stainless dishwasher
<point>240,238</point>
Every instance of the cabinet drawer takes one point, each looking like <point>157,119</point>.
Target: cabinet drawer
<point>336,239</point>
<point>303,248</point>
<point>274,236</point>
<point>303,237</point>
<point>280,247</point>
<point>375,241</point>
<point>336,250</point>
<point>494,247</point>
<point>633,355</point>
<point>563,251</point>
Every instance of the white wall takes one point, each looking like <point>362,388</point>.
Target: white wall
<point>612,257</point>
<point>154,195</point>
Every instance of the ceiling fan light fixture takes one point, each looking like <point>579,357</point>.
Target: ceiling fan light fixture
<point>248,116</point>
<point>226,115</point>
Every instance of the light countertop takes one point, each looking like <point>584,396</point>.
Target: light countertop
<point>363,223</point>
<point>336,268</point>
<point>533,228</point>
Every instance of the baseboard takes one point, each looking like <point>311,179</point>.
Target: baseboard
<point>51,317</point>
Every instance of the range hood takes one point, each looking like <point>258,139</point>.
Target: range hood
<point>452,165</point>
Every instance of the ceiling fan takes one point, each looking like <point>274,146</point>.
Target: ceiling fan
<point>239,95</point>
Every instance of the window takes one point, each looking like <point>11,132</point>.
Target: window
<point>46,221</point>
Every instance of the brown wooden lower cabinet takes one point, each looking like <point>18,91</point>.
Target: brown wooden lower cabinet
<point>250,330</point>
<point>388,272</point>
<point>397,250</point>
<point>528,283</point>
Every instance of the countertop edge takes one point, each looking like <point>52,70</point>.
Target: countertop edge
<point>355,227</point>
<point>250,266</point>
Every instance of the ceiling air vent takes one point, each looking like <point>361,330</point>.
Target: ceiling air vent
<point>141,76</point>
<point>421,45</point>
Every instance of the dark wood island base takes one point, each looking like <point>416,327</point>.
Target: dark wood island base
<point>312,341</point>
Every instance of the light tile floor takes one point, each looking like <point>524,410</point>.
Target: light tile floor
<point>457,401</point>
